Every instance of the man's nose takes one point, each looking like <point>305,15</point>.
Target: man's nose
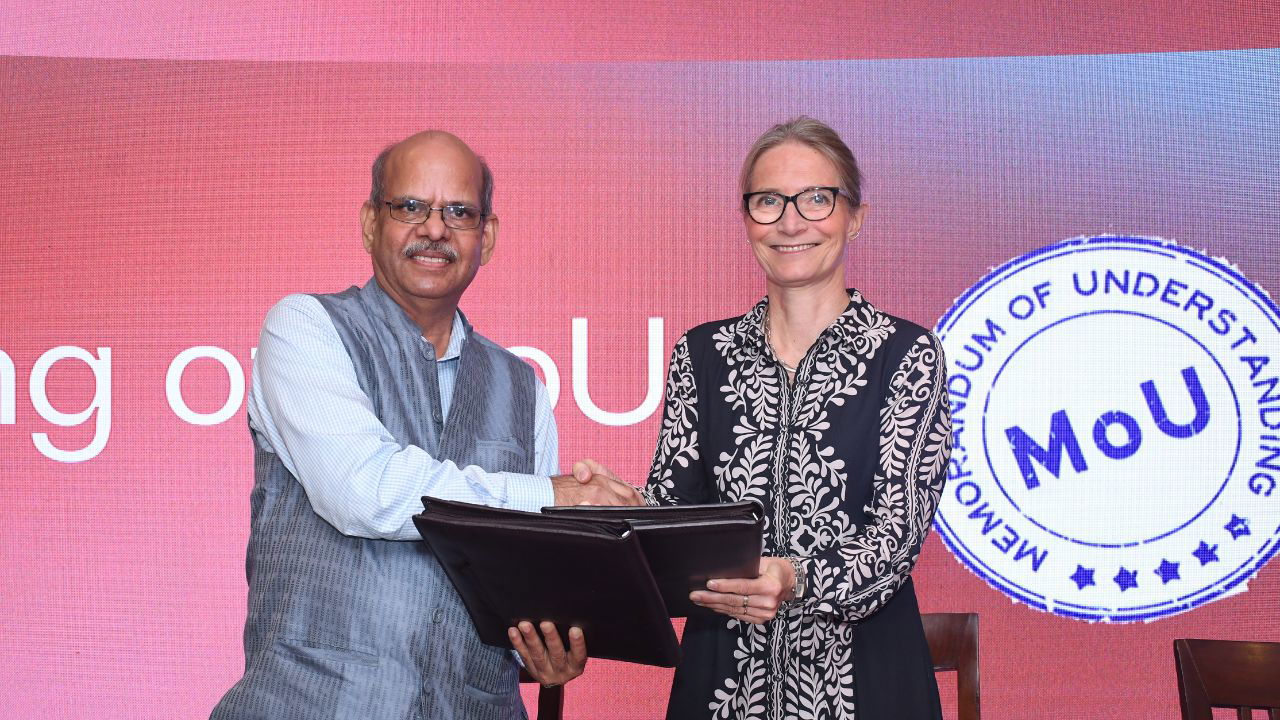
<point>434,227</point>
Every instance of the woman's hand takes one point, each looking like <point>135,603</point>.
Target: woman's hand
<point>753,600</point>
<point>547,662</point>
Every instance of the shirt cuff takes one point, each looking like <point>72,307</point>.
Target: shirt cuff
<point>529,493</point>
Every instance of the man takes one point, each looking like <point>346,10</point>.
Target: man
<point>362,402</point>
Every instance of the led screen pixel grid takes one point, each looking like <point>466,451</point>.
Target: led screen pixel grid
<point>198,193</point>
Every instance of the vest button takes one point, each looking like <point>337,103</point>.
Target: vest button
<point>438,616</point>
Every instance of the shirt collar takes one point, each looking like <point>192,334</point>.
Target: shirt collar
<point>399,320</point>
<point>457,336</point>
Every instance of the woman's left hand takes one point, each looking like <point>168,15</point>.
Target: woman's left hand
<point>754,600</point>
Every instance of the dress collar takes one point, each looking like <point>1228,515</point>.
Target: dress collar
<point>848,331</point>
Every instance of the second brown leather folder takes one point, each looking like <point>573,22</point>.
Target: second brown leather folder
<point>606,570</point>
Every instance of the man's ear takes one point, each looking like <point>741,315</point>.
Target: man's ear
<point>489,238</point>
<point>368,225</point>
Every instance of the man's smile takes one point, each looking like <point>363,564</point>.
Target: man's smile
<point>430,253</point>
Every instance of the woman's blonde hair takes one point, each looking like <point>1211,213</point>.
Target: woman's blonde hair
<point>810,133</point>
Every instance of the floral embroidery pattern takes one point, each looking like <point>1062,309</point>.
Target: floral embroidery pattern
<point>734,428</point>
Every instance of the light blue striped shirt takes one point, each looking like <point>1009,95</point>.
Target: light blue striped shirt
<point>309,409</point>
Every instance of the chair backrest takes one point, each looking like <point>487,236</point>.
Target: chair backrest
<point>550,700</point>
<point>953,643</point>
<point>1227,674</point>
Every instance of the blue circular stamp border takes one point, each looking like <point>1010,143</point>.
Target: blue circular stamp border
<point>1203,595</point>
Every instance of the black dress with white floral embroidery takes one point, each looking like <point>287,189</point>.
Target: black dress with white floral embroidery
<point>848,460</point>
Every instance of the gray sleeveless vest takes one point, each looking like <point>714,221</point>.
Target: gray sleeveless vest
<point>344,627</point>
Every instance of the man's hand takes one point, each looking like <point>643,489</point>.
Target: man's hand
<point>754,600</point>
<point>593,484</point>
<point>547,662</point>
<point>585,468</point>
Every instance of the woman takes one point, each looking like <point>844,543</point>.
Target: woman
<point>833,415</point>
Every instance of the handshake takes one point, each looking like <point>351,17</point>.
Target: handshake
<point>591,483</point>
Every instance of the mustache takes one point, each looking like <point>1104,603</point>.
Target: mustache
<point>436,246</point>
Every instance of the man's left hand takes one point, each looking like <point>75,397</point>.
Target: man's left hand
<point>546,661</point>
<point>754,600</point>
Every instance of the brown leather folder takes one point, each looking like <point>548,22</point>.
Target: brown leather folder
<point>686,545</point>
<point>588,567</point>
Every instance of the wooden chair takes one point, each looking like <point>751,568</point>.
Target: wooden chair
<point>1230,674</point>
<point>550,700</point>
<point>953,643</point>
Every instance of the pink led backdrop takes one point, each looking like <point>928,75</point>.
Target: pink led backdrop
<point>168,175</point>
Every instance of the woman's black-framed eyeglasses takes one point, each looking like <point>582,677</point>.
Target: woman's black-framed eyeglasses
<point>813,204</point>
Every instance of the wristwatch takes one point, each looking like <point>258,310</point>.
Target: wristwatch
<point>802,579</point>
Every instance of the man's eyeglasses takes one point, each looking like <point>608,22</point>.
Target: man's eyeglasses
<point>455,215</point>
<point>813,204</point>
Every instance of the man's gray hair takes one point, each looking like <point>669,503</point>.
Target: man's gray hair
<point>379,171</point>
<point>811,133</point>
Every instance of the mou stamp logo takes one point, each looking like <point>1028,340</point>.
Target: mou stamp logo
<point>1116,409</point>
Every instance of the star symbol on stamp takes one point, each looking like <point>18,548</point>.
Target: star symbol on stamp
<point>1206,553</point>
<point>1238,527</point>
<point>1126,579</point>
<point>1083,577</point>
